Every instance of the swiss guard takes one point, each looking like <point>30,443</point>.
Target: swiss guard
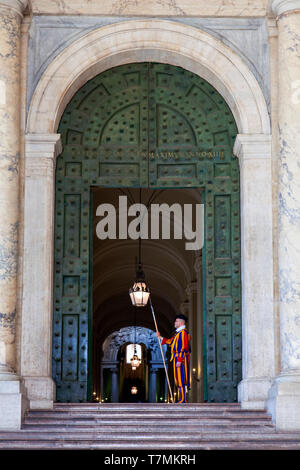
<point>180,345</point>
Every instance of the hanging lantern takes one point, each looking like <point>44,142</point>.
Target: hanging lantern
<point>134,390</point>
<point>135,361</point>
<point>139,293</point>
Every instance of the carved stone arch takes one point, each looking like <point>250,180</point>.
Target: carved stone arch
<point>153,41</point>
<point>115,340</point>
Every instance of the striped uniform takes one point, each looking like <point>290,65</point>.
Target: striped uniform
<point>180,352</point>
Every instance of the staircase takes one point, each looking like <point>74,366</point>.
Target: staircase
<point>148,426</point>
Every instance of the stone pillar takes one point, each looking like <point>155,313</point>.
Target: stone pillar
<point>185,309</point>
<point>152,385</point>
<point>166,390</point>
<point>254,154</point>
<point>37,304</point>
<point>192,327</point>
<point>12,404</point>
<point>273,52</point>
<point>284,399</point>
<point>199,359</point>
<point>114,385</point>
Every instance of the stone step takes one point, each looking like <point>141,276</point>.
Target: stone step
<point>134,405</point>
<point>155,445</point>
<point>150,407</point>
<point>94,406</point>
<point>134,422</point>
<point>144,415</point>
<point>148,426</point>
<point>165,427</point>
<point>161,437</point>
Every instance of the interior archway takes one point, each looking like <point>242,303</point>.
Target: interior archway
<point>117,376</point>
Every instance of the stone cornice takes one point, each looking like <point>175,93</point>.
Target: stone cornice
<point>15,6</point>
<point>280,7</point>
<point>43,145</point>
<point>41,151</point>
<point>252,146</point>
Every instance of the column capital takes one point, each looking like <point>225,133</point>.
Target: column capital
<point>15,6</point>
<point>280,7</point>
<point>272,28</point>
<point>198,262</point>
<point>184,307</point>
<point>250,146</point>
<point>41,151</point>
<point>43,145</point>
<point>191,288</point>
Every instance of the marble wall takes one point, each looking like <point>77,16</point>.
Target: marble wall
<point>9,176</point>
<point>153,7</point>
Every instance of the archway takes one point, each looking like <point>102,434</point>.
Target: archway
<point>154,126</point>
<point>149,378</point>
<point>207,57</point>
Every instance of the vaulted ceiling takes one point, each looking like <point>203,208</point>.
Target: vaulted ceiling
<point>168,266</point>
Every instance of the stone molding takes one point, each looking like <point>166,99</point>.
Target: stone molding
<point>280,7</point>
<point>41,153</point>
<point>148,40</point>
<point>43,145</point>
<point>250,146</point>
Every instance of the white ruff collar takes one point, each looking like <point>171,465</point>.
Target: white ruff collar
<point>180,328</point>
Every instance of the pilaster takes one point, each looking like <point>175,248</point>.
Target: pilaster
<point>37,304</point>
<point>12,399</point>
<point>254,154</point>
<point>284,396</point>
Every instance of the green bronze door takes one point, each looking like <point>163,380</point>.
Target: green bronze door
<point>158,126</point>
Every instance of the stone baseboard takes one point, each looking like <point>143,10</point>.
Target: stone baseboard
<point>284,403</point>
<point>40,392</point>
<point>13,404</point>
<point>253,393</point>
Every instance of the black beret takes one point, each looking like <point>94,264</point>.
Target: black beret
<point>181,317</point>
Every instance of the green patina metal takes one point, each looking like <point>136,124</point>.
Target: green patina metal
<point>159,126</point>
